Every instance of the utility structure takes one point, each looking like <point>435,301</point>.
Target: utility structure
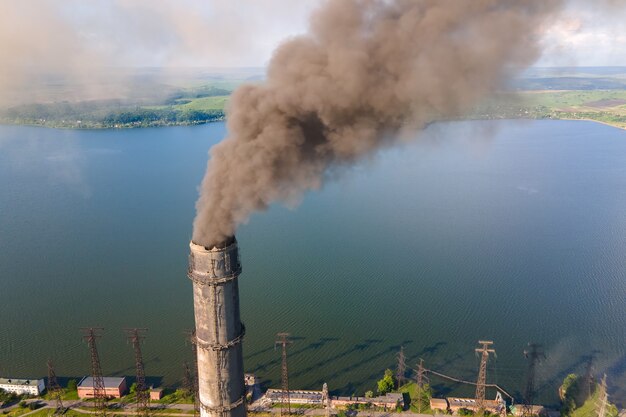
<point>420,377</point>
<point>192,378</point>
<point>589,380</point>
<point>283,340</point>
<point>187,379</point>
<point>400,367</point>
<point>90,334</point>
<point>534,354</point>
<point>135,336</point>
<point>54,389</point>
<point>214,272</point>
<point>326,399</point>
<point>603,399</point>
<point>484,352</point>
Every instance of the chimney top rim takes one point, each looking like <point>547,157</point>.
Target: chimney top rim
<point>215,248</point>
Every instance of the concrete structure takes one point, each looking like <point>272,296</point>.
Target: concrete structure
<point>219,331</point>
<point>250,379</point>
<point>439,404</point>
<point>455,404</point>
<point>156,393</point>
<point>114,387</point>
<point>536,410</point>
<point>23,386</point>
<point>389,401</point>
<point>275,396</point>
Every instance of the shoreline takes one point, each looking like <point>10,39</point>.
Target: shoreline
<point>159,125</point>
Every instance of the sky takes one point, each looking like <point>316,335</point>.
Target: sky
<point>81,41</point>
<point>220,33</point>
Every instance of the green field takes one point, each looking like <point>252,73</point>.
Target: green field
<point>597,94</point>
<point>604,106</point>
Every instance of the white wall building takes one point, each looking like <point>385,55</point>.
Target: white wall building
<point>23,386</point>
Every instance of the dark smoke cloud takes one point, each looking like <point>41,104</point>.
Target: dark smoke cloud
<point>366,71</point>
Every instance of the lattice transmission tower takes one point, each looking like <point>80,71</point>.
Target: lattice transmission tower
<point>90,334</point>
<point>589,380</point>
<point>400,367</point>
<point>534,354</point>
<point>283,340</point>
<point>603,399</point>
<point>55,390</point>
<point>326,399</point>
<point>420,379</point>
<point>190,379</point>
<point>484,351</point>
<point>142,393</point>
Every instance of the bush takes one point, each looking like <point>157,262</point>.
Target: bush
<point>72,385</point>
<point>386,384</point>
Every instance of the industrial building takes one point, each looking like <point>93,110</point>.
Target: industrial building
<point>23,386</point>
<point>390,401</point>
<point>535,410</point>
<point>439,404</point>
<point>114,387</point>
<point>156,394</point>
<point>454,404</point>
<point>275,396</point>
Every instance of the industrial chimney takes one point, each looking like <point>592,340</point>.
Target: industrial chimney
<point>219,331</point>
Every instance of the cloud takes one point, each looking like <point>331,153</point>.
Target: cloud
<point>81,41</point>
<point>587,35</point>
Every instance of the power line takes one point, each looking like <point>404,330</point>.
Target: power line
<point>603,399</point>
<point>192,378</point>
<point>462,381</point>
<point>283,340</point>
<point>54,389</point>
<point>420,377</point>
<point>484,351</point>
<point>534,355</point>
<point>142,395</point>
<point>90,334</point>
<point>401,367</point>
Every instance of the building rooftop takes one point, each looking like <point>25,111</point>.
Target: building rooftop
<point>16,381</point>
<point>109,382</point>
<point>294,394</point>
<point>391,397</point>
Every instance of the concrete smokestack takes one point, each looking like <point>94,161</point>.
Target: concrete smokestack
<point>219,331</point>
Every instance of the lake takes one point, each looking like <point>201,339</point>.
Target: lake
<point>511,231</point>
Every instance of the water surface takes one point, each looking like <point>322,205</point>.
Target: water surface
<point>509,231</point>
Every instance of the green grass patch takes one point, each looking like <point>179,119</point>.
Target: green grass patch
<point>411,389</point>
<point>205,103</point>
<point>590,407</point>
<point>176,397</point>
<point>45,412</point>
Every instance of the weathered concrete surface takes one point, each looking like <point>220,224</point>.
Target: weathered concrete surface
<point>219,330</point>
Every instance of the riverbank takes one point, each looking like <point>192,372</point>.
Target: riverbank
<point>602,106</point>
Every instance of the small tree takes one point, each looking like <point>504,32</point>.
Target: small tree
<point>72,385</point>
<point>386,384</point>
<point>369,394</point>
<point>133,388</point>
<point>569,392</point>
